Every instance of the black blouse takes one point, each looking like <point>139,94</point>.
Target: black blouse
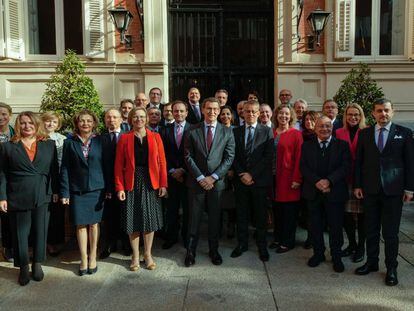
<point>141,151</point>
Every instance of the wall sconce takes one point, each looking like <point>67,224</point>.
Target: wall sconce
<point>317,20</point>
<point>122,18</point>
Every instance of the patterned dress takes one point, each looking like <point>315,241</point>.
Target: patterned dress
<point>143,211</point>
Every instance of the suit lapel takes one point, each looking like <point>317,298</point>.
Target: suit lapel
<point>40,147</point>
<point>130,147</point>
<point>390,137</point>
<point>77,145</point>
<point>202,138</point>
<point>20,148</point>
<point>217,136</point>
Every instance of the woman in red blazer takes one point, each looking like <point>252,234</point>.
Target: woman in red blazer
<point>354,121</point>
<point>140,181</point>
<point>288,142</point>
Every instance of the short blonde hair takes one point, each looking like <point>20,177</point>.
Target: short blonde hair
<point>49,115</point>
<point>40,133</point>
<point>4,105</point>
<point>362,123</point>
<point>292,120</point>
<point>132,112</point>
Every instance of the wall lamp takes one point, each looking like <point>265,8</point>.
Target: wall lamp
<point>317,19</point>
<point>122,19</point>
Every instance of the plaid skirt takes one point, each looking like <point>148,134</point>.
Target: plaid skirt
<point>353,205</point>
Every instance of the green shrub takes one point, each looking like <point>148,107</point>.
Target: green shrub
<point>69,90</point>
<point>358,87</point>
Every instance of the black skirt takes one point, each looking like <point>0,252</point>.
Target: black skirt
<point>142,211</point>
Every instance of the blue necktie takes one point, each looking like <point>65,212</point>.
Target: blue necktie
<point>381,139</point>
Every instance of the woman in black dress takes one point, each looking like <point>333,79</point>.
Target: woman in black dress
<point>82,185</point>
<point>28,178</point>
<point>141,181</point>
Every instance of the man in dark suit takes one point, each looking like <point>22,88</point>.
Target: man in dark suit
<point>173,139</point>
<point>325,163</point>
<point>154,119</point>
<point>194,110</point>
<point>155,95</point>
<point>208,152</point>
<point>125,107</point>
<point>254,154</point>
<point>330,109</point>
<point>384,179</point>
<point>111,230</point>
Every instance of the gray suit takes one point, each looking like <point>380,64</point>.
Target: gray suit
<point>199,162</point>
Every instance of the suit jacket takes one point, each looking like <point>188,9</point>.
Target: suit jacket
<point>78,174</point>
<point>338,168</point>
<point>191,117</point>
<point>25,184</point>
<point>391,170</point>
<point>109,153</point>
<point>174,155</point>
<point>288,154</point>
<point>336,125</point>
<point>261,156</point>
<point>125,162</point>
<point>201,162</point>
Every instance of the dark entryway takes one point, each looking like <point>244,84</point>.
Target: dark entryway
<point>221,44</point>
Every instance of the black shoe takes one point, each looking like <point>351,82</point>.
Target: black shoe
<point>359,255</point>
<point>82,272</point>
<point>274,245</point>
<point>263,254</point>
<point>391,277</point>
<point>104,254</point>
<point>238,251</point>
<point>24,276</point>
<point>168,244</point>
<point>366,268</point>
<point>348,251</point>
<point>37,272</point>
<point>215,257</point>
<point>189,258</point>
<point>93,270</point>
<point>338,265</point>
<point>307,244</point>
<point>315,260</point>
<point>8,254</point>
<point>282,249</point>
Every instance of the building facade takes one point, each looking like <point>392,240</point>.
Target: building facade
<point>35,33</point>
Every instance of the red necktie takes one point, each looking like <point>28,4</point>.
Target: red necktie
<point>209,137</point>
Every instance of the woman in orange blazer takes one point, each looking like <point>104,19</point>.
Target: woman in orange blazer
<point>288,142</point>
<point>140,181</point>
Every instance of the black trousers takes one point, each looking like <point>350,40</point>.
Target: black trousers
<point>177,197</point>
<point>251,199</point>
<point>23,223</point>
<point>286,222</point>
<point>111,226</point>
<point>382,211</point>
<point>319,208</point>
<point>56,232</point>
<point>6,234</point>
<point>198,202</point>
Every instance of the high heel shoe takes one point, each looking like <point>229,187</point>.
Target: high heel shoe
<point>93,270</point>
<point>134,266</point>
<point>151,266</point>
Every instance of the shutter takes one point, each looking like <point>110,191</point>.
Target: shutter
<point>344,28</point>
<point>94,28</point>
<point>410,30</point>
<point>14,29</point>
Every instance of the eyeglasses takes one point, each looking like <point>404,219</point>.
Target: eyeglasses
<point>250,111</point>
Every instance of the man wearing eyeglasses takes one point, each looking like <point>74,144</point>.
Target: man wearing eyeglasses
<point>285,96</point>
<point>155,95</point>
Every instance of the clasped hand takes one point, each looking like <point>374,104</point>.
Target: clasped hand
<point>207,183</point>
<point>246,178</point>
<point>323,185</point>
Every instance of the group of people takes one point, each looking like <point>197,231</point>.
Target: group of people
<point>156,159</point>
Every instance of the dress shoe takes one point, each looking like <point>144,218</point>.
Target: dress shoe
<point>263,254</point>
<point>215,257</point>
<point>315,260</point>
<point>93,270</point>
<point>37,272</point>
<point>238,251</point>
<point>274,245</point>
<point>8,254</point>
<point>391,277</point>
<point>151,266</point>
<point>348,251</point>
<point>366,268</point>
<point>282,249</point>
<point>24,276</point>
<point>82,272</point>
<point>338,265</point>
<point>134,267</point>
<point>359,255</point>
<point>189,258</point>
<point>104,254</point>
<point>168,244</point>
